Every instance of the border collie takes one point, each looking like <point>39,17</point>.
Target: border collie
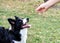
<point>17,33</point>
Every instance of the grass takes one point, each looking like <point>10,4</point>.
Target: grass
<point>45,27</point>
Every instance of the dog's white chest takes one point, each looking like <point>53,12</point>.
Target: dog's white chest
<point>23,33</point>
<point>16,41</point>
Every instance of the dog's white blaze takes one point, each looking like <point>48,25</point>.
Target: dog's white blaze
<point>24,21</point>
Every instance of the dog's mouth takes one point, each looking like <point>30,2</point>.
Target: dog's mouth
<point>26,26</point>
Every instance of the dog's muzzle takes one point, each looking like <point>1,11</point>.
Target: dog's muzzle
<point>26,26</point>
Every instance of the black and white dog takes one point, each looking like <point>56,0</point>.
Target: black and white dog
<point>17,33</point>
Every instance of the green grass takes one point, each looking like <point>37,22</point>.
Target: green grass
<point>45,27</point>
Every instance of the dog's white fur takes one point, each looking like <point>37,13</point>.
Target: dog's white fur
<point>23,33</point>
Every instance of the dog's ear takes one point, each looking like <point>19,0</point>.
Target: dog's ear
<point>11,21</point>
<point>16,18</point>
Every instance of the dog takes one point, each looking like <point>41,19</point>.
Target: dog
<point>17,33</point>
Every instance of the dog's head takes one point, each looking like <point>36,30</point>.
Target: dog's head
<point>19,23</point>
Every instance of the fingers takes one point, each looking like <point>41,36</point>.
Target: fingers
<point>42,8</point>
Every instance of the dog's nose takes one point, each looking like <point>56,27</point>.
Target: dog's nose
<point>27,19</point>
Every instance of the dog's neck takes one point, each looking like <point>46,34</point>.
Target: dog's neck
<point>14,29</point>
<point>15,33</point>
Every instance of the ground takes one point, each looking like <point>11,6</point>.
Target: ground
<point>45,26</point>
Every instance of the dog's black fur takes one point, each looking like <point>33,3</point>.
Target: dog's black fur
<point>6,35</point>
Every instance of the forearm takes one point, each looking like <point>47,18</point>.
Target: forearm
<point>52,2</point>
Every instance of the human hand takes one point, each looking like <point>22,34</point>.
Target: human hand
<point>43,7</point>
